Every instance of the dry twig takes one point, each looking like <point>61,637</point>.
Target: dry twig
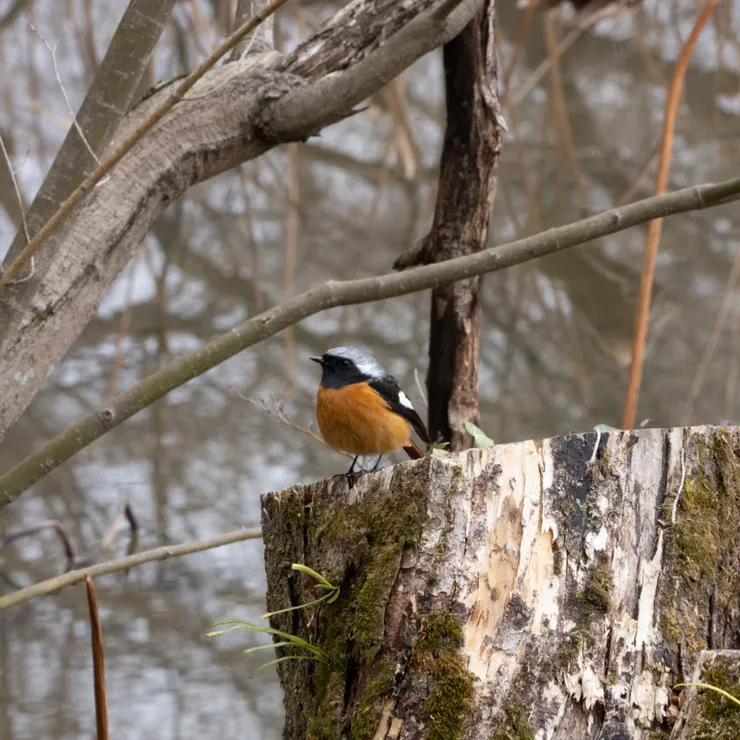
<point>653,241</point>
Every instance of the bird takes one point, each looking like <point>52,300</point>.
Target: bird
<point>361,408</point>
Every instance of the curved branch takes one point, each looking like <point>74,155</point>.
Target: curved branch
<point>346,293</point>
<point>130,561</point>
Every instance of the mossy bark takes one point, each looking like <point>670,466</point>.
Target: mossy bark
<point>532,590</point>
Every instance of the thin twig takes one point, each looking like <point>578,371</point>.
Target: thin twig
<point>54,524</point>
<point>136,135</point>
<point>96,641</point>
<point>130,561</point>
<point>292,226</point>
<point>21,207</point>
<point>347,293</point>
<point>22,211</point>
<point>420,388</point>
<point>279,414</point>
<point>53,52</point>
<point>701,369</point>
<point>653,241</point>
<point>123,511</point>
<point>533,80</point>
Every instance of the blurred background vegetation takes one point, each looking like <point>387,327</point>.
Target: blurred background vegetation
<point>584,105</point>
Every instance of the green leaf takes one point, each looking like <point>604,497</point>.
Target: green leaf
<point>242,624</point>
<point>480,438</point>
<point>605,428</point>
<point>269,646</point>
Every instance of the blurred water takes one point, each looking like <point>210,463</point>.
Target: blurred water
<point>555,335</point>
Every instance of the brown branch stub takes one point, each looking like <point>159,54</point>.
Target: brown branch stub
<point>96,639</point>
<point>465,197</point>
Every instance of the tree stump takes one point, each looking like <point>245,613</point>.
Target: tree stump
<point>542,589</point>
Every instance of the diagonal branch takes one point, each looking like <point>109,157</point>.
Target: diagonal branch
<point>50,586</point>
<point>345,293</point>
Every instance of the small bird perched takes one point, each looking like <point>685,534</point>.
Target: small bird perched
<point>362,410</point>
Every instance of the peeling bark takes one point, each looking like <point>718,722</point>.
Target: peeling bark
<point>533,590</point>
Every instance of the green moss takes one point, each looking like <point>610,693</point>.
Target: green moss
<point>361,544</point>
<point>327,723</point>
<point>516,725</point>
<point>702,546</point>
<point>596,596</point>
<point>439,630</point>
<point>593,601</point>
<point>718,717</point>
<point>368,712</point>
<point>436,652</point>
<point>368,622</point>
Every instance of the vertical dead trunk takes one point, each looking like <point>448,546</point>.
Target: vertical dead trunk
<point>550,590</point>
<point>467,184</point>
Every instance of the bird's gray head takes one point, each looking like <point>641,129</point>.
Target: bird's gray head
<point>347,365</point>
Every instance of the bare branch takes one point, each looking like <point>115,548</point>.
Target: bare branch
<point>18,195</point>
<point>345,293</point>
<point>53,52</point>
<point>130,561</point>
<point>133,138</point>
<point>105,104</point>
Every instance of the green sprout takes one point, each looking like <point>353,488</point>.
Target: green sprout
<point>331,595</point>
<point>313,652</point>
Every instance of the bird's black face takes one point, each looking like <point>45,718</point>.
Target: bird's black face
<point>338,371</point>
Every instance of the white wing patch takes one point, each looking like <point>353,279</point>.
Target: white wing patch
<point>403,399</point>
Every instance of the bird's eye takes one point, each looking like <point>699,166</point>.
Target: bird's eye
<point>344,363</point>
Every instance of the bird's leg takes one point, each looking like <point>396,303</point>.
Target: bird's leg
<point>377,464</point>
<point>352,467</point>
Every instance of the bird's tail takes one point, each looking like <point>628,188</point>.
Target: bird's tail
<point>412,450</point>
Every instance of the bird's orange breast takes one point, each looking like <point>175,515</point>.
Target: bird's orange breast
<point>357,420</point>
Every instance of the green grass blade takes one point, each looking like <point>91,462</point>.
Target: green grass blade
<point>280,660</point>
<point>257,648</point>
<point>711,688</point>
<point>300,606</point>
<point>311,572</point>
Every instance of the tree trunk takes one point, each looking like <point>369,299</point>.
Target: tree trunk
<point>467,184</point>
<point>542,589</point>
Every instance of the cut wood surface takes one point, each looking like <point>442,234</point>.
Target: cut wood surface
<point>540,589</point>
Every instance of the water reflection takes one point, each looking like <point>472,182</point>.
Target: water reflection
<point>556,336</point>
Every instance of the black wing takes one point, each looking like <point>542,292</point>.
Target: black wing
<point>399,403</point>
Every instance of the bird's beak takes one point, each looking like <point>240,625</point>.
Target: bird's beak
<point>320,360</point>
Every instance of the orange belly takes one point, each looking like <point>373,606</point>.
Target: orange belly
<point>357,420</point>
